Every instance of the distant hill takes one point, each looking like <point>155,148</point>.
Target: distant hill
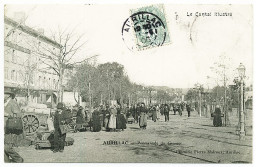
<point>169,89</point>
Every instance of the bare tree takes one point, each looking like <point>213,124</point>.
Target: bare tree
<point>60,54</point>
<point>28,75</point>
<point>221,68</point>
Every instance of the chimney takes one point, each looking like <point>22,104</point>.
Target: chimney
<point>19,17</point>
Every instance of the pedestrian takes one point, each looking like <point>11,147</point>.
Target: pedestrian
<point>182,105</point>
<point>154,113</point>
<point>106,116</point>
<point>80,117</point>
<point>180,109</point>
<point>143,116</point>
<point>188,108</point>
<point>217,121</point>
<point>175,108</point>
<point>101,115</point>
<point>171,107</point>
<point>166,112</point>
<point>158,112</point>
<point>128,113</point>
<point>137,112</point>
<point>162,109</point>
<point>112,119</point>
<point>59,134</point>
<point>96,126</point>
<point>88,115</point>
<point>120,120</point>
<point>11,107</point>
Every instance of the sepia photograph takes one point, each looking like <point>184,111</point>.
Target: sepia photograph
<point>128,83</point>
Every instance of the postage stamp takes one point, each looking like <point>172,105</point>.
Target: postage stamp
<point>147,27</point>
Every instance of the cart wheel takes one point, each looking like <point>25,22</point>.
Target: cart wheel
<point>30,123</point>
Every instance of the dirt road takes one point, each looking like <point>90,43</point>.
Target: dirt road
<point>181,140</point>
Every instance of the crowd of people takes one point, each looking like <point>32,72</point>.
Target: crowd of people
<point>111,118</point>
<point>115,117</point>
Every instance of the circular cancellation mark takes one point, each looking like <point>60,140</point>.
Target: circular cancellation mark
<point>143,30</point>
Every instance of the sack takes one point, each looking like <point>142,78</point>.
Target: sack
<point>50,124</point>
<point>14,123</point>
<point>64,129</point>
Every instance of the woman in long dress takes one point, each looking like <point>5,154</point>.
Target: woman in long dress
<point>143,117</point>
<point>112,119</point>
<point>96,121</point>
<point>154,112</point>
<point>120,120</point>
<point>217,121</point>
<point>106,118</point>
<point>80,118</point>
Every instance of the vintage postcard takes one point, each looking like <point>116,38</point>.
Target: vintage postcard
<point>128,83</point>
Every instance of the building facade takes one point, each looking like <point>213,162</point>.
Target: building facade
<point>25,71</point>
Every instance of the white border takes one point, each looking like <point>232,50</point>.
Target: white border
<point>256,115</point>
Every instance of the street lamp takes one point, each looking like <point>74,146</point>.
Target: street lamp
<point>241,71</point>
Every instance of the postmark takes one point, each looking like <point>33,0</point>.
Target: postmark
<point>145,28</point>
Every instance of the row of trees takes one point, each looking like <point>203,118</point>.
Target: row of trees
<point>215,95</point>
<point>95,83</point>
<point>98,83</point>
<point>226,93</point>
<point>103,83</point>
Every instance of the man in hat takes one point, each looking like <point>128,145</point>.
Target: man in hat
<point>188,108</point>
<point>80,116</point>
<point>59,138</point>
<point>10,108</point>
<point>166,112</point>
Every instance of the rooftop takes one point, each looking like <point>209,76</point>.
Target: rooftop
<point>30,31</point>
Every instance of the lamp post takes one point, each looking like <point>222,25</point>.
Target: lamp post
<point>241,70</point>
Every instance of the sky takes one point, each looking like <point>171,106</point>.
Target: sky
<point>179,64</point>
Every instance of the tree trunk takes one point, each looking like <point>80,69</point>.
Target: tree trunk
<point>60,91</point>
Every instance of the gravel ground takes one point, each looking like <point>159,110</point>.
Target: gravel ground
<point>181,140</point>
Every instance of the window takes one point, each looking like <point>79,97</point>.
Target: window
<point>6,54</point>
<point>21,79</point>
<point>14,35</point>
<point>13,75</point>
<point>14,56</point>
<point>6,73</point>
<point>44,82</point>
<point>54,83</point>
<point>49,86</point>
<point>57,85</point>
<point>40,80</point>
